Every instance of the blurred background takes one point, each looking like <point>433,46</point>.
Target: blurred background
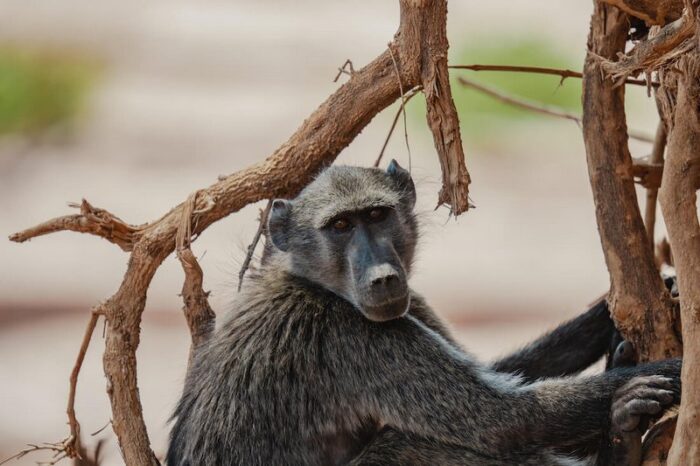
<point>134,105</point>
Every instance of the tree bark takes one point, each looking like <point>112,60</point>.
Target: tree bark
<point>653,12</point>
<point>639,303</point>
<point>678,204</point>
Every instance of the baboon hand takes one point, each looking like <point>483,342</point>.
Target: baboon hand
<point>640,400</point>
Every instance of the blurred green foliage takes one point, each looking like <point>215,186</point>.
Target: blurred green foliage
<point>482,116</point>
<point>41,89</point>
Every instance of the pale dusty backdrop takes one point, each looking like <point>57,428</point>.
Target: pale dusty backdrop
<point>194,90</point>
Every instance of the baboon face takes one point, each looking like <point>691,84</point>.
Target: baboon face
<point>353,232</point>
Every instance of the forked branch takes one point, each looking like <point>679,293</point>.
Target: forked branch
<point>420,55</point>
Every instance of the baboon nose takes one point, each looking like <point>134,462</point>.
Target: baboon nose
<point>385,279</point>
<point>383,275</point>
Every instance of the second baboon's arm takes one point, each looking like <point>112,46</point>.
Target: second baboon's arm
<point>568,349</point>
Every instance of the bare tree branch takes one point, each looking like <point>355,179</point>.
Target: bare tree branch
<point>253,244</point>
<point>91,220</point>
<point>564,74</point>
<point>73,447</point>
<point>538,108</point>
<point>653,12</point>
<point>409,95</point>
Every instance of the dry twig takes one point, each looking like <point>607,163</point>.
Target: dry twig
<point>409,95</point>
<point>253,244</point>
<point>538,108</point>
<point>563,74</point>
<point>344,70</point>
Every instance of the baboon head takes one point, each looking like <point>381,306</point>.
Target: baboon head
<point>352,231</point>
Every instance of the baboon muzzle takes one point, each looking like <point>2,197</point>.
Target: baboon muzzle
<point>381,286</point>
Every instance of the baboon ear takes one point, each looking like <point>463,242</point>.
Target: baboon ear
<point>404,182</point>
<point>278,223</point>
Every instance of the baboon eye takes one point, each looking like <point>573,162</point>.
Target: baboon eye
<point>341,225</point>
<point>378,213</point>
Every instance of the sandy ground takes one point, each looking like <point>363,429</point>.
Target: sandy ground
<point>194,90</point>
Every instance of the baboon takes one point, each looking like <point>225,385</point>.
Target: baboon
<point>328,357</point>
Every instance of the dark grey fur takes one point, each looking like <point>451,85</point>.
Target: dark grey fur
<point>306,369</point>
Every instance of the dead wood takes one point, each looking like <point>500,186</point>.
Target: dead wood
<point>198,313</point>
<point>658,440</point>
<point>652,12</point>
<point>91,220</point>
<point>639,302</point>
<point>563,74</point>
<point>662,48</point>
<point>679,206</point>
<point>418,51</point>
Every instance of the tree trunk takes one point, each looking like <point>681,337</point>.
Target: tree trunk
<point>678,204</point>
<point>639,303</point>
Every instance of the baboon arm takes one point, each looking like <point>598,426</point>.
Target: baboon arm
<point>411,379</point>
<point>568,349</point>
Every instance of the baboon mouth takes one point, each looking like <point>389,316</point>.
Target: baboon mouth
<point>392,308</point>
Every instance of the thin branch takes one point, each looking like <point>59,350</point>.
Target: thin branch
<point>403,105</point>
<point>91,220</point>
<point>563,73</point>
<point>344,70</point>
<point>656,158</point>
<point>73,445</point>
<point>262,224</point>
<point>538,108</point>
<point>401,110</point>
